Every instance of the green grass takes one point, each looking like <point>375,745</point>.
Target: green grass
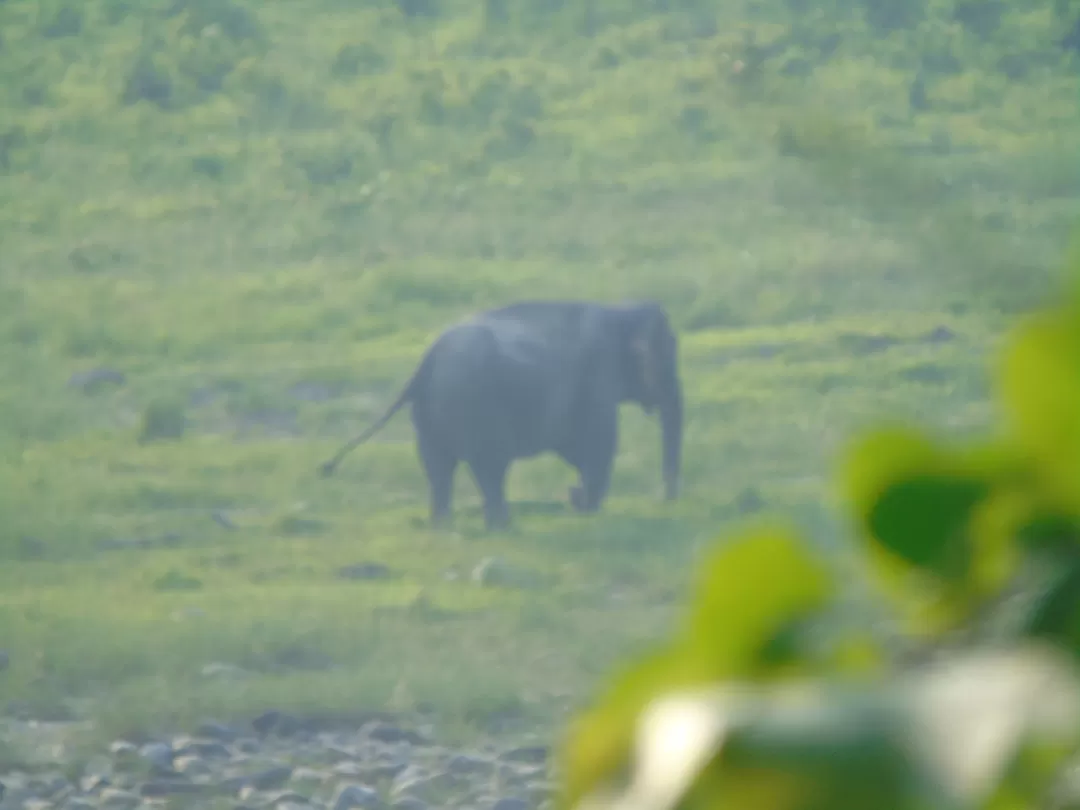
<point>267,248</point>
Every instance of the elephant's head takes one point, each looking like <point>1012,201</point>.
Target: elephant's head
<point>652,375</point>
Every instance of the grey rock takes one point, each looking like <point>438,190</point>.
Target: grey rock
<point>47,786</point>
<point>203,749</point>
<point>95,378</point>
<point>349,768</point>
<point>366,571</point>
<point>538,792</point>
<point>122,749</point>
<point>309,781</point>
<point>274,722</point>
<point>93,782</point>
<point>116,799</point>
<point>351,796</point>
<point>159,755</point>
<point>510,803</point>
<point>192,766</point>
<point>466,764</point>
<point>435,787</point>
<point>409,803</point>
<point>80,803</point>
<point>216,669</point>
<point>232,785</point>
<point>223,520</point>
<point>388,733</point>
<point>383,770</point>
<point>247,745</point>
<point>272,778</point>
<point>160,788</point>
<point>284,799</point>
<point>493,572</point>
<point>212,730</point>
<point>530,754</point>
<point>333,754</point>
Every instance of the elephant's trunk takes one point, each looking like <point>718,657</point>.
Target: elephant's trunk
<point>671,426</point>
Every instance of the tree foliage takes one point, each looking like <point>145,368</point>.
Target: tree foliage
<point>757,701</point>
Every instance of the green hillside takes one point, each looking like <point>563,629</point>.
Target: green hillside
<point>228,230</point>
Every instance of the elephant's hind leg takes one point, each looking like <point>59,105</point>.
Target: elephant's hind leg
<point>490,476</point>
<point>439,464</point>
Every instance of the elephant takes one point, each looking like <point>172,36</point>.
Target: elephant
<point>534,377</point>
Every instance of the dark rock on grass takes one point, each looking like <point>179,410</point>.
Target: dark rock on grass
<point>94,379</point>
<point>867,344</point>
<point>389,733</point>
<point>940,334</point>
<point>350,796</point>
<point>273,778</point>
<point>527,754</point>
<point>212,730</point>
<point>275,722</point>
<point>162,788</point>
<point>366,571</point>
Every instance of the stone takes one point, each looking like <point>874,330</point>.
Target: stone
<point>349,768</point>
<point>436,787</point>
<point>365,571</point>
<point>92,782</point>
<point>530,754</point>
<point>388,733</point>
<point>494,572</point>
<point>213,730</point>
<point>274,722</point>
<point>349,796</point>
<point>308,780</point>
<point>203,749</point>
<point>159,755</point>
<point>122,749</point>
<point>272,778</point>
<point>284,799</point>
<point>191,766</point>
<point>217,669</point>
<point>510,803</point>
<point>116,799</point>
<point>159,788</point>
<point>95,378</point>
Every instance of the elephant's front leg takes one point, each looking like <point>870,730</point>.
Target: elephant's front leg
<point>594,457</point>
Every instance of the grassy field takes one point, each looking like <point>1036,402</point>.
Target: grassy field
<point>259,214</point>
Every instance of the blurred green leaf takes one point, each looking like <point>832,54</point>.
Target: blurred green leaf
<point>749,594</point>
<point>922,519</point>
<point>1039,386</point>
<point>879,458</point>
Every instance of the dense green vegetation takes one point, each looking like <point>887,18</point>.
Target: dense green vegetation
<point>260,213</point>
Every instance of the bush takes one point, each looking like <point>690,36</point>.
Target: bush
<point>764,698</point>
<point>163,420</point>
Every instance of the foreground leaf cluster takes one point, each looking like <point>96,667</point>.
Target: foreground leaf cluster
<point>760,701</point>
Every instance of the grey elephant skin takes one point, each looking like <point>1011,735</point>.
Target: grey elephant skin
<point>537,377</point>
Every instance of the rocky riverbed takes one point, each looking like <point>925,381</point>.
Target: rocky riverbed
<point>282,763</point>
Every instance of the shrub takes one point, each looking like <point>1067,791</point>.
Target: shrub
<point>163,420</point>
<point>763,698</point>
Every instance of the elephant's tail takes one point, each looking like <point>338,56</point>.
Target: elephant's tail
<point>327,468</point>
